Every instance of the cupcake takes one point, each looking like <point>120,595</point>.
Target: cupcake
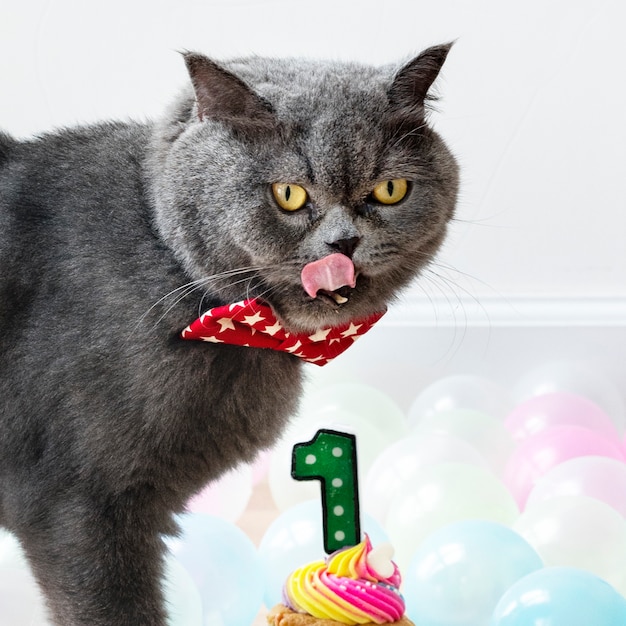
<point>356,585</point>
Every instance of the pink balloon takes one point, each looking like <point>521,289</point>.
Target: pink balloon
<point>593,476</point>
<point>226,497</point>
<point>261,467</point>
<point>558,409</point>
<point>541,452</point>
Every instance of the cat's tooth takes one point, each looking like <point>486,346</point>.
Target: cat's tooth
<point>339,299</point>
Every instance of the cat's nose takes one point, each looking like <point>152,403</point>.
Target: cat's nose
<point>346,245</point>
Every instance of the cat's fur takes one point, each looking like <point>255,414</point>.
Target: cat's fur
<point>108,420</point>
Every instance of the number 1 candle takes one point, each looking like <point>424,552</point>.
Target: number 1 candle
<point>330,457</point>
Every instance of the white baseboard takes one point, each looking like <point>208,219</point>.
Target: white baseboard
<point>518,311</point>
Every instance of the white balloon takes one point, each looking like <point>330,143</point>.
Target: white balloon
<point>441,494</point>
<point>21,602</point>
<point>574,377</point>
<point>398,464</point>
<point>369,403</point>
<point>461,392</point>
<point>578,531</point>
<point>319,378</point>
<point>485,433</point>
<point>11,553</point>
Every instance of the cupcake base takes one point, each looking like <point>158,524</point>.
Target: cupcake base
<point>281,615</point>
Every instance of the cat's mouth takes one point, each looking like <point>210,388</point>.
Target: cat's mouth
<point>335,298</point>
<point>330,279</point>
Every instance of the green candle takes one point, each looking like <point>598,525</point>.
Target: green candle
<point>330,457</point>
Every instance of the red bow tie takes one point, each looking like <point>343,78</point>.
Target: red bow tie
<point>252,323</point>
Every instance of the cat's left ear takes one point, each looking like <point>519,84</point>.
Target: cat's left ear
<point>411,84</point>
<point>222,96</point>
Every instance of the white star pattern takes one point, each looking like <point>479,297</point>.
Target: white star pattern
<point>295,347</point>
<point>251,320</point>
<point>314,359</point>
<point>253,323</point>
<point>273,329</point>
<point>226,323</point>
<point>320,335</point>
<point>352,330</point>
<point>212,339</point>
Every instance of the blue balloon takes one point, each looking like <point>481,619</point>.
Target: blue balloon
<point>560,596</point>
<point>459,573</point>
<point>225,567</point>
<point>182,598</point>
<point>295,538</point>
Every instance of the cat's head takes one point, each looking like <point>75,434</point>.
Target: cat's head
<point>322,181</point>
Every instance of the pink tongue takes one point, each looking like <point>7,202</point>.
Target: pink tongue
<point>330,273</point>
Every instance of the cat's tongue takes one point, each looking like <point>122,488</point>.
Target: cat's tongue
<point>328,274</point>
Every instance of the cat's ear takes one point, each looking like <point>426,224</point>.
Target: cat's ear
<point>222,96</point>
<point>411,84</point>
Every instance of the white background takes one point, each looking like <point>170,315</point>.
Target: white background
<point>533,104</point>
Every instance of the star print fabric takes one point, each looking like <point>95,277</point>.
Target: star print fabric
<point>252,323</point>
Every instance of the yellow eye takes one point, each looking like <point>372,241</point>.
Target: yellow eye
<point>391,191</point>
<point>289,196</point>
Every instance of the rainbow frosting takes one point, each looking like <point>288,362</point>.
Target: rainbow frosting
<point>357,585</point>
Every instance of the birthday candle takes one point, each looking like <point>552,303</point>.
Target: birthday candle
<point>330,457</point>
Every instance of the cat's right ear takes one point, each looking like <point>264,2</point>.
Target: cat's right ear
<point>411,85</point>
<point>222,96</point>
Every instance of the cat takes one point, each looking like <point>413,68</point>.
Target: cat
<point>114,236</point>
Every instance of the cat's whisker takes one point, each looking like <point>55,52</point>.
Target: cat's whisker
<point>435,279</point>
<point>189,288</point>
<point>193,285</point>
<point>457,287</point>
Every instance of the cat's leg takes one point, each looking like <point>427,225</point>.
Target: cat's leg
<point>97,565</point>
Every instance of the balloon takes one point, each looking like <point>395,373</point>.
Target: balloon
<point>224,566</point>
<point>558,409</point>
<point>227,497</point>
<point>539,453</point>
<point>578,531</point>
<point>21,603</point>
<point>560,596</point>
<point>460,572</point>
<point>370,404</point>
<point>485,433</point>
<point>577,378</point>
<point>287,492</point>
<point>461,392</point>
<point>295,538</point>
<point>260,467</point>
<point>11,554</point>
<point>441,494</point>
<point>182,598</point>
<point>319,378</point>
<point>399,463</point>
<point>594,476</point>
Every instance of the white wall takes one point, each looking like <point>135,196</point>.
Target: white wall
<point>534,102</point>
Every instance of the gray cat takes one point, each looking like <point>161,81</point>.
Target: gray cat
<point>113,237</point>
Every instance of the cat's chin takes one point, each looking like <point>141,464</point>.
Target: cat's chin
<point>328,309</point>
